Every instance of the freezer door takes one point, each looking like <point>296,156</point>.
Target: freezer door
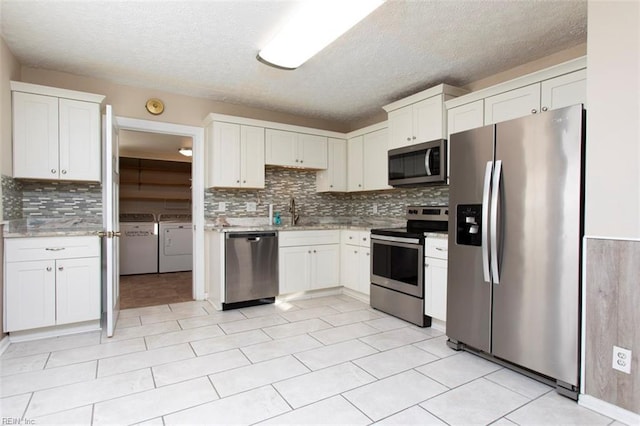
<point>536,303</point>
<point>468,295</point>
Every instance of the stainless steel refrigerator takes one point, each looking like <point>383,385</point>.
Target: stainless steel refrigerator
<point>515,223</point>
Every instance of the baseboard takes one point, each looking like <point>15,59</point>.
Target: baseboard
<point>55,331</point>
<point>4,343</point>
<point>609,410</point>
<point>309,294</point>
<point>356,295</point>
<point>439,325</point>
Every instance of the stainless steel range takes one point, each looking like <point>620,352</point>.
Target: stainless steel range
<point>397,263</point>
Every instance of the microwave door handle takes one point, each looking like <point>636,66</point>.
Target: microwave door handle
<point>427,161</point>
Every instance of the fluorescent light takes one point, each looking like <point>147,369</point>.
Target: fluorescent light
<point>187,152</point>
<point>315,25</point>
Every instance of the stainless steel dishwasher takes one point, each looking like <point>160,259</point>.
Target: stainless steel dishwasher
<point>251,268</point>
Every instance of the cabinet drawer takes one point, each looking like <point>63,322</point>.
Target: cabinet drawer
<point>49,248</point>
<point>308,238</point>
<point>355,238</point>
<point>437,248</point>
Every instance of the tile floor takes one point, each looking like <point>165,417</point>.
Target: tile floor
<point>328,360</point>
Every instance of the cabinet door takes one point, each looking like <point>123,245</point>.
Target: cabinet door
<point>334,178</point>
<point>325,266</point>
<point>312,151</point>
<point>77,290</point>
<point>512,104</point>
<point>350,267</point>
<point>252,157</point>
<point>281,148</point>
<point>565,90</point>
<point>364,269</point>
<point>294,269</point>
<point>375,163</point>
<point>30,295</point>
<point>355,164</point>
<point>428,119</point>
<point>435,293</point>
<point>465,117</point>
<point>80,144</point>
<point>35,136</point>
<point>224,158</point>
<point>401,128</point>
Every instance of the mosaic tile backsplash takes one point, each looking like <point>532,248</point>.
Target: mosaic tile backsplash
<point>281,184</point>
<point>28,199</point>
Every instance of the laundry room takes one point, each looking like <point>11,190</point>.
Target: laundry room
<point>155,218</point>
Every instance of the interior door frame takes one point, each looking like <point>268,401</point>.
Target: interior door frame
<point>197,186</point>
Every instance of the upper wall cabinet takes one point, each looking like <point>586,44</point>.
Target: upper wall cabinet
<point>367,162</point>
<point>420,117</point>
<point>56,133</point>
<point>552,88</point>
<point>235,155</point>
<point>293,149</point>
<point>334,178</point>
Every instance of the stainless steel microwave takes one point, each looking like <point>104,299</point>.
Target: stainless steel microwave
<point>419,165</point>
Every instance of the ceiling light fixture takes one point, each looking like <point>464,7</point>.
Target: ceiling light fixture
<point>187,152</point>
<point>315,25</point>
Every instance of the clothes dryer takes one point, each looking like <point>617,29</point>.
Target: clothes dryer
<point>138,244</point>
<point>175,247</point>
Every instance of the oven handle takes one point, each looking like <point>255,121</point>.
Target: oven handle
<point>395,239</point>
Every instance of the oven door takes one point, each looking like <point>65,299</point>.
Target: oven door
<point>398,263</point>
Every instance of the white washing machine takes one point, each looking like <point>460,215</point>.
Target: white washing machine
<point>175,245</point>
<point>138,244</point>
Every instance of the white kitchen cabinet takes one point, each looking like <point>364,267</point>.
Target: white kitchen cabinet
<point>435,278</point>
<point>355,261</point>
<point>355,162</point>
<point>55,138</point>
<point>292,149</point>
<point>420,117</point>
<point>367,161</point>
<point>334,178</point>
<point>51,281</point>
<point>465,117</point>
<point>416,123</point>
<point>308,260</point>
<point>235,155</point>
<point>512,104</point>
<point>562,91</point>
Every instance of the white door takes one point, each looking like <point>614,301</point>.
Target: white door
<point>355,165</point>
<point>512,104</point>
<point>79,131</point>
<point>312,151</point>
<point>375,164</point>
<point>252,157</point>
<point>427,119</point>
<point>110,196</point>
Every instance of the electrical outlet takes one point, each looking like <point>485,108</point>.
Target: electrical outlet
<point>222,206</point>
<point>621,359</point>
<point>251,206</point>
<point>374,208</point>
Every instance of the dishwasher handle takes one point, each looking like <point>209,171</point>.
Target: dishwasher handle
<point>251,236</point>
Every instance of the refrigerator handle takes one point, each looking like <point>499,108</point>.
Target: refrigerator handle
<point>427,161</point>
<point>485,221</point>
<point>495,204</point>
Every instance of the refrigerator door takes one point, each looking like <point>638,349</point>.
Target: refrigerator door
<point>536,302</point>
<point>468,295</point>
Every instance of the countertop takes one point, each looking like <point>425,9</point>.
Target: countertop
<point>260,224</point>
<point>72,227</point>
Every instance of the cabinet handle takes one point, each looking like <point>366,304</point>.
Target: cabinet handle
<point>238,181</point>
<point>64,172</point>
<point>309,252</point>
<point>302,161</point>
<point>545,109</point>
<point>60,268</point>
<point>364,239</point>
<point>53,171</point>
<point>314,251</point>
<point>297,161</point>
<point>54,248</point>
<point>359,185</point>
<point>350,237</point>
<point>355,251</point>
<point>48,268</point>
<point>534,111</point>
<point>414,138</point>
<point>408,139</point>
<point>330,186</point>
<point>244,181</point>
<point>441,249</point>
<point>367,254</point>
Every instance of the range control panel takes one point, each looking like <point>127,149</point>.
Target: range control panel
<point>437,213</point>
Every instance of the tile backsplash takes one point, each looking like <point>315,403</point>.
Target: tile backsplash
<point>28,199</point>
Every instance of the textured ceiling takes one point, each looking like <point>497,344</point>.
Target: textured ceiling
<point>208,48</point>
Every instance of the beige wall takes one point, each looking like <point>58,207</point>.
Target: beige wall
<point>9,70</point>
<point>613,201</point>
<point>129,101</point>
<point>613,121</point>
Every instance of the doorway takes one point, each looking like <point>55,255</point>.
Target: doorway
<point>173,286</point>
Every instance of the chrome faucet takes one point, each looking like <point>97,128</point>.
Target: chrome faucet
<point>292,209</point>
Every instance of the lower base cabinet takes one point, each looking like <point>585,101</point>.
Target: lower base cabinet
<point>308,260</point>
<point>435,278</point>
<point>355,265</point>
<point>51,281</point>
